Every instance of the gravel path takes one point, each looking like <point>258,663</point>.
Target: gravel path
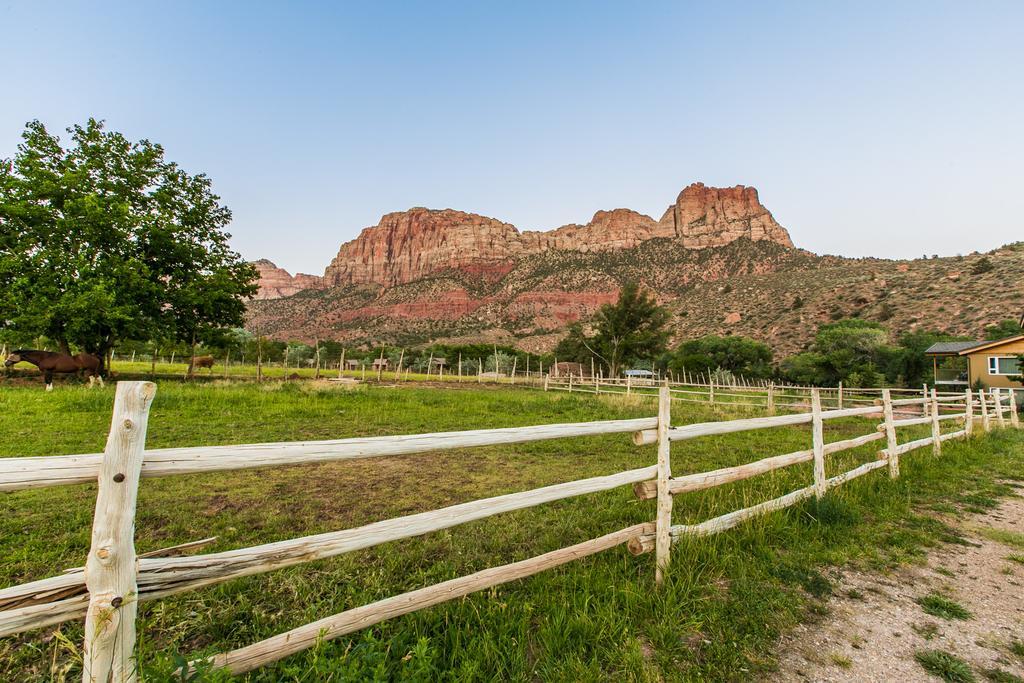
<point>875,625</point>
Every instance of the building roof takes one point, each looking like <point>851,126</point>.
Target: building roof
<point>952,348</point>
<point>981,346</point>
<point>968,347</point>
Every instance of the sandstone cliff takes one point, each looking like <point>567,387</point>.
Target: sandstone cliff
<point>705,217</point>
<point>277,282</point>
<point>409,245</point>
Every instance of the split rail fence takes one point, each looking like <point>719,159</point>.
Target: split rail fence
<point>769,396</point>
<point>107,590</point>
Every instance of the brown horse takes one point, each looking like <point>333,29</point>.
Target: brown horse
<point>50,362</point>
<point>201,362</point>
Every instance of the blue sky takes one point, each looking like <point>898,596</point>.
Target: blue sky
<point>885,129</point>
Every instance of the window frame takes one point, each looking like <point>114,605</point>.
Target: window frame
<point>993,366</point>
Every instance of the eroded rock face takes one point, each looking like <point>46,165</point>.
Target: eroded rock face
<point>277,282</point>
<point>715,216</point>
<point>606,231</point>
<point>410,245</point>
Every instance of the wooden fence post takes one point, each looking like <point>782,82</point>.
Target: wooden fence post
<point>771,398</point>
<point>969,412</point>
<point>924,395</point>
<point>629,384</point>
<point>986,422</point>
<point>711,390</point>
<point>936,432</point>
<point>546,378</point>
<point>1014,417</point>
<point>110,570</point>
<point>997,401</point>
<point>570,382</point>
<point>890,435</point>
<point>840,396</point>
<point>818,444</point>
<point>663,521</point>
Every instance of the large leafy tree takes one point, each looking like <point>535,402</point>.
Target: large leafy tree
<point>851,351</point>
<point>739,355</point>
<point>631,329</point>
<point>103,240</point>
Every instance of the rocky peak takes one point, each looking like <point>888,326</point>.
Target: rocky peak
<point>715,216</point>
<point>277,282</point>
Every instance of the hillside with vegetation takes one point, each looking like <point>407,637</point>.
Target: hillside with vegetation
<point>769,292</point>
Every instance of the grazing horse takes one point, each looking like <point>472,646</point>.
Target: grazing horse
<point>201,362</point>
<point>50,362</point>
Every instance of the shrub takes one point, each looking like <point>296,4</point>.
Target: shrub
<point>981,266</point>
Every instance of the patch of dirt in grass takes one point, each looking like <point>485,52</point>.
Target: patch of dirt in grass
<point>877,635</point>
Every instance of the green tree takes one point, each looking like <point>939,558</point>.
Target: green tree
<point>1003,330</point>
<point>851,345</point>
<point>807,368</point>
<point>104,240</point>
<point>631,329</point>
<point>573,347</point>
<point>739,355</point>
<point>908,362</point>
<point>842,350</point>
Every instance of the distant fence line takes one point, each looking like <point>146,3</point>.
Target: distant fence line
<point>107,590</point>
<point>698,387</point>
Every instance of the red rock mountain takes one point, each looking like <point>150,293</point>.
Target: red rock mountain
<point>716,258</point>
<point>409,245</point>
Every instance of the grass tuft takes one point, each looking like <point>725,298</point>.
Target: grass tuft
<point>943,607</point>
<point>927,630</point>
<point>1013,539</point>
<point>946,666</point>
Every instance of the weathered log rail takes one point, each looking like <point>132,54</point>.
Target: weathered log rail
<point>114,580</point>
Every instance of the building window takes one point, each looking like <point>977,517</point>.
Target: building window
<point>1003,365</point>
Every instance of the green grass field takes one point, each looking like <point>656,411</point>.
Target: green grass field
<point>725,601</point>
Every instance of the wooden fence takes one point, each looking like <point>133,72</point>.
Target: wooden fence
<point>769,395</point>
<point>106,592</point>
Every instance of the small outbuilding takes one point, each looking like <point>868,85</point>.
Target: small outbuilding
<point>380,363</point>
<point>990,363</point>
<point>566,369</point>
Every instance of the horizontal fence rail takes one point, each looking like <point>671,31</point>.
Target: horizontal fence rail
<point>24,473</point>
<point>106,592</point>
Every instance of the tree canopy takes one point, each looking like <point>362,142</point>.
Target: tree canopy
<point>631,329</point>
<point>103,240</point>
<point>1004,329</point>
<point>739,355</point>
<point>851,351</point>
